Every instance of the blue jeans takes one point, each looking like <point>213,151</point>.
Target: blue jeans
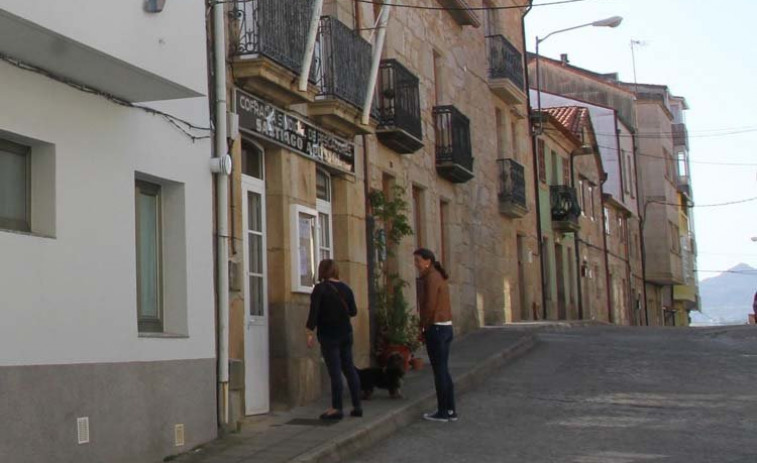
<point>438,340</point>
<point>337,353</point>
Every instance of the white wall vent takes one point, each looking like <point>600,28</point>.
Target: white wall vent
<point>178,433</point>
<point>82,429</point>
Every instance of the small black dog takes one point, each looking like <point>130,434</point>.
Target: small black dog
<point>389,377</point>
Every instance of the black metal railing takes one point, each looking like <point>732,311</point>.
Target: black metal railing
<point>564,203</point>
<point>512,182</point>
<point>453,143</point>
<point>346,62</point>
<point>680,135</point>
<point>505,61</point>
<point>276,29</point>
<point>398,98</point>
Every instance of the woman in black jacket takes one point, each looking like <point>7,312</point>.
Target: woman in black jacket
<point>331,306</point>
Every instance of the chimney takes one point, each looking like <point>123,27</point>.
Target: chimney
<point>564,59</point>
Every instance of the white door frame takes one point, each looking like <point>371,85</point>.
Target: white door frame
<point>256,329</point>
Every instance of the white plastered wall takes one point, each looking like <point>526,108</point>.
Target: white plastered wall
<point>71,298</point>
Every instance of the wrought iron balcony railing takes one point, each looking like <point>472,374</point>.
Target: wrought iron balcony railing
<point>680,135</point>
<point>512,188</point>
<point>345,62</point>
<point>505,61</point>
<point>275,29</point>
<point>564,208</point>
<point>399,108</point>
<point>454,158</point>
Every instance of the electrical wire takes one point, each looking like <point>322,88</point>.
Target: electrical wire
<point>713,163</point>
<point>743,164</point>
<point>481,8</point>
<point>728,203</point>
<point>180,124</point>
<point>432,8</point>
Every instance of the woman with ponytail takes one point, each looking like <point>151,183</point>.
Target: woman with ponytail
<point>436,323</point>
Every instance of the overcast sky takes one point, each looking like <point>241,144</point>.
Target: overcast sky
<point>704,51</point>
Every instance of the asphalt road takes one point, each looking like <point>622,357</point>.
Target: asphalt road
<point>604,395</point>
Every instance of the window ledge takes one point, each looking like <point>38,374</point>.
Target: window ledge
<point>25,233</point>
<point>164,335</point>
<point>461,12</point>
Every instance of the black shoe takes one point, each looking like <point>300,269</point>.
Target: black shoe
<point>357,412</point>
<point>452,415</point>
<point>332,416</point>
<point>436,416</point>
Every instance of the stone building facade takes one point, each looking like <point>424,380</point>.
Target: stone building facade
<point>645,110</point>
<point>448,126</point>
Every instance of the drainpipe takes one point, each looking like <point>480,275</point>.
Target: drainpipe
<point>307,59</point>
<point>642,211</point>
<point>221,166</point>
<point>610,307</point>
<point>534,160</point>
<point>378,48</point>
<point>577,241</point>
<point>370,227</point>
<point>582,151</point>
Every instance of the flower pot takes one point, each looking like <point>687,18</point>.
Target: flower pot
<point>404,351</point>
<point>416,363</point>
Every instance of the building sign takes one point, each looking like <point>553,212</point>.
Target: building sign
<point>293,133</point>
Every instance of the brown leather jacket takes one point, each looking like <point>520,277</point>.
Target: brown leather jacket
<point>433,298</point>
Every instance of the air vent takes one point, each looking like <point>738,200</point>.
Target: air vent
<point>82,429</point>
<point>178,433</point>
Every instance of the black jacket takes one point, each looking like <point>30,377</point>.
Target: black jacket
<point>331,306</point>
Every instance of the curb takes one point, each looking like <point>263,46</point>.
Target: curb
<point>381,428</point>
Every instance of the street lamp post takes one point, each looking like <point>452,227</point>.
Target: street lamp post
<point>613,21</point>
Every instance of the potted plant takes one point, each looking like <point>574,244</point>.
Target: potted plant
<point>397,327</point>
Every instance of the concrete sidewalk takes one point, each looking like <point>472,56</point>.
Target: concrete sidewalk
<point>298,435</point>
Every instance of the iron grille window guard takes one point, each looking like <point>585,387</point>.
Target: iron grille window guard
<point>453,143</point>
<point>505,61</point>
<point>276,29</point>
<point>564,203</point>
<point>512,182</point>
<point>398,96</point>
<point>680,135</point>
<point>346,64</point>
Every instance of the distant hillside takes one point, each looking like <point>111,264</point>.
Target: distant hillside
<point>727,298</point>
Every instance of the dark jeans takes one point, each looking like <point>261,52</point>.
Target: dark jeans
<point>337,353</point>
<point>438,340</point>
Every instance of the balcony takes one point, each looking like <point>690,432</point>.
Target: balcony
<point>399,108</point>
<point>680,136</point>
<point>565,209</point>
<point>454,160</point>
<point>62,55</point>
<point>506,77</point>
<point>461,12</point>
<point>512,188</point>
<point>345,59</point>
<point>269,47</point>
<point>683,185</point>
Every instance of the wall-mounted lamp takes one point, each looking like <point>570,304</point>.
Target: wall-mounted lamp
<point>154,6</point>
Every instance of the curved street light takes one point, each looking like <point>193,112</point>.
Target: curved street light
<point>612,21</point>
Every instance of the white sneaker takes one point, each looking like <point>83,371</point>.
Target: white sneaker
<point>435,417</point>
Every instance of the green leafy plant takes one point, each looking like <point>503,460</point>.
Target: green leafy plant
<point>396,323</point>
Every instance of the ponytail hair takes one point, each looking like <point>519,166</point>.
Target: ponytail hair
<point>426,254</point>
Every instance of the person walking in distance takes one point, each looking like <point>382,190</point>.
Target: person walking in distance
<point>436,323</point>
<point>332,303</point>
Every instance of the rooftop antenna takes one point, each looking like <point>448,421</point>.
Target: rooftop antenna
<point>638,43</point>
